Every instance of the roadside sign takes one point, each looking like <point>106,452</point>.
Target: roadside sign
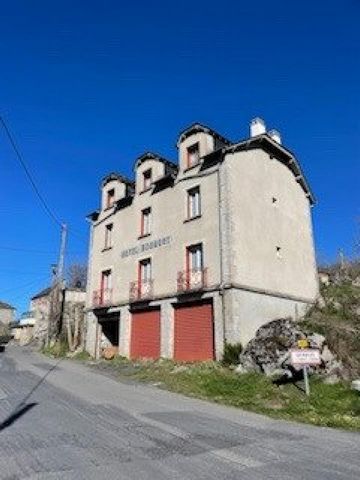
<point>303,343</point>
<point>305,357</point>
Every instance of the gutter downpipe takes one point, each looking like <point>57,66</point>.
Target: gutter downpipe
<point>222,285</point>
<point>88,296</point>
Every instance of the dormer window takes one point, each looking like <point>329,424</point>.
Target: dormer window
<point>193,155</point>
<point>110,198</point>
<point>147,179</point>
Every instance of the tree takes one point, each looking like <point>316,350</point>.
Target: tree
<point>76,275</point>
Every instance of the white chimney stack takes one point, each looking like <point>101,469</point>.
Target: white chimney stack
<point>275,135</point>
<point>257,127</point>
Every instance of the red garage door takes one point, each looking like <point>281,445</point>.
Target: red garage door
<point>193,335</point>
<point>145,334</point>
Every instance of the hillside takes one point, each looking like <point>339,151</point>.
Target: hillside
<point>337,315</point>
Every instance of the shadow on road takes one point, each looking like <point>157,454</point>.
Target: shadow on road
<point>17,413</point>
<point>23,407</point>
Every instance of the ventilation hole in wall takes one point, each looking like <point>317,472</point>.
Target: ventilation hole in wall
<point>278,252</point>
<point>274,200</point>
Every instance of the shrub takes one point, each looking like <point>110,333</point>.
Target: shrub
<point>231,354</point>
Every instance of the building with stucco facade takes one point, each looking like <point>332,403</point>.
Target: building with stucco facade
<point>188,256</point>
<point>7,313</point>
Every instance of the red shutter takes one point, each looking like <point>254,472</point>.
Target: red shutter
<point>145,334</point>
<point>193,333</point>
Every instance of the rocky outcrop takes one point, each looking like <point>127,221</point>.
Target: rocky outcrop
<point>269,351</point>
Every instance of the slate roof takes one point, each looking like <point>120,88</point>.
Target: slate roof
<point>42,293</point>
<point>7,306</point>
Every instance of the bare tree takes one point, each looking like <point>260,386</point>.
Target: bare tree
<point>76,275</point>
<point>73,315</point>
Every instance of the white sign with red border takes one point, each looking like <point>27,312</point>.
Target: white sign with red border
<point>305,356</point>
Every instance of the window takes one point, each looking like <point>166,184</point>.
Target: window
<point>147,179</point>
<point>105,287</point>
<point>110,198</point>
<point>193,155</point>
<point>194,258</point>
<point>108,235</point>
<point>145,227</point>
<point>145,271</point>
<point>193,207</point>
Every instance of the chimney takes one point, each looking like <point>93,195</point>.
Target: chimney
<point>275,135</point>
<point>257,127</point>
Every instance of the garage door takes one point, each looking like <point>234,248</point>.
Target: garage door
<point>193,333</point>
<point>145,334</point>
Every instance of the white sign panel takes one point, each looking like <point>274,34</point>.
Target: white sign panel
<point>305,356</point>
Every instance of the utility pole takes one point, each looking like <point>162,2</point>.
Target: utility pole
<point>342,259</point>
<point>54,323</point>
<point>60,269</point>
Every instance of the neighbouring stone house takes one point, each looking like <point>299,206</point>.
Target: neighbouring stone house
<point>189,255</point>
<point>34,325</point>
<point>7,313</point>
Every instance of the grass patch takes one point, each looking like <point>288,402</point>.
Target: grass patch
<point>329,405</point>
<point>82,356</point>
<point>58,350</point>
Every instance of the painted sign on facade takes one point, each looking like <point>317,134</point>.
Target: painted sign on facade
<point>145,247</point>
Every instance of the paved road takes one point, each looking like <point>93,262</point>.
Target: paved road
<point>79,424</point>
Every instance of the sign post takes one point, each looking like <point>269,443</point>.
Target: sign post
<point>306,381</point>
<point>305,357</point>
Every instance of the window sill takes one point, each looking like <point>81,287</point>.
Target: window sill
<point>192,218</point>
<point>145,190</point>
<point>105,249</point>
<point>109,208</point>
<point>191,167</point>
<point>144,236</point>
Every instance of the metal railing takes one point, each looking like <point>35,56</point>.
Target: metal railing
<point>102,297</point>
<point>194,279</point>
<point>141,290</point>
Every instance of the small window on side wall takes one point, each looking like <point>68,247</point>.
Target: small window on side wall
<point>193,155</point>
<point>147,179</point>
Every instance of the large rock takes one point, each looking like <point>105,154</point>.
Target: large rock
<point>269,351</point>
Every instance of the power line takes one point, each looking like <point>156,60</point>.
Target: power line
<point>32,285</point>
<point>22,286</point>
<point>28,174</point>
<point>28,250</point>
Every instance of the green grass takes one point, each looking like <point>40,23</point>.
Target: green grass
<point>58,350</point>
<point>329,405</point>
<point>83,356</point>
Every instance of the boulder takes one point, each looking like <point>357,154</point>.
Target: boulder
<point>269,351</point>
<point>355,385</point>
<point>326,355</point>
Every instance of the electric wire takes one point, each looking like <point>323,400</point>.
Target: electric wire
<point>29,250</point>
<point>28,173</point>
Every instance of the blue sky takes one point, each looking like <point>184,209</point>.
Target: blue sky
<point>88,86</point>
